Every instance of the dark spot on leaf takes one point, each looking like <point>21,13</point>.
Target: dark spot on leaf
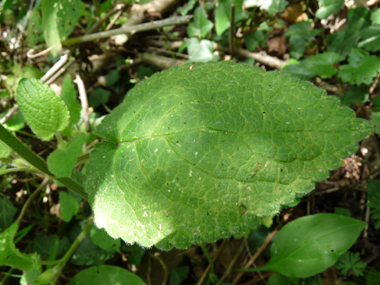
<point>184,123</point>
<point>263,112</point>
<point>176,141</point>
<point>222,164</point>
<point>136,177</point>
<point>97,271</point>
<point>167,183</point>
<point>176,178</point>
<point>281,169</point>
<point>208,214</point>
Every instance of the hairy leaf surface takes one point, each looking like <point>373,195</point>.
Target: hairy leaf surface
<point>203,151</point>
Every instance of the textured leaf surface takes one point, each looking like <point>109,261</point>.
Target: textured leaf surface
<point>7,210</point>
<point>202,151</point>
<point>44,111</point>
<point>201,25</point>
<point>61,161</point>
<point>310,245</point>
<point>106,274</point>
<point>329,7</point>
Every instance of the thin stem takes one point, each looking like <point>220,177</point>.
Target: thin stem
<point>31,199</point>
<point>231,35</point>
<point>72,249</point>
<point>129,29</point>
<point>17,169</point>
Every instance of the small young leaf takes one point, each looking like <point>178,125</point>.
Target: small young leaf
<point>61,161</point>
<point>189,6</point>
<point>278,279</point>
<point>342,211</point>
<point>69,206</point>
<point>112,78</point>
<point>272,6</point>
<point>350,260</point>
<point>201,25</point>
<point>44,111</point>
<point>203,151</point>
<point>106,274</point>
<point>69,96</point>
<point>7,212</point>
<point>328,8</point>
<point>309,245</point>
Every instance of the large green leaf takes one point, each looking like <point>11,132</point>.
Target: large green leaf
<point>44,111</point>
<point>309,245</point>
<point>203,151</point>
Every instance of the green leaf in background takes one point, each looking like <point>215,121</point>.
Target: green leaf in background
<point>350,261</point>
<point>342,211</point>
<point>310,245</point>
<point>253,39</point>
<point>11,256</point>
<point>375,16</point>
<point>100,238</point>
<point>201,25</point>
<point>343,42</point>
<point>189,6</point>
<point>61,161</point>
<point>328,8</point>
<point>106,274</point>
<point>362,68</point>
<point>223,15</point>
<point>355,94</point>
<point>373,277</point>
<point>178,275</point>
<point>317,65</point>
<point>16,122</point>
<point>44,246</point>
<point>374,202</point>
<point>299,34</point>
<point>69,96</point>
<point>203,151</point>
<point>44,111</point>
<point>297,45</point>
<point>136,253</point>
<point>68,206</point>
<point>375,119</point>
<point>302,29</point>
<point>27,71</point>
<point>59,18</point>
<point>98,97</point>
<point>112,78</point>
<point>200,51</point>
<point>278,279</point>
<point>87,253</point>
<point>7,212</point>
<point>35,31</point>
<point>4,150</point>
<point>370,38</point>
